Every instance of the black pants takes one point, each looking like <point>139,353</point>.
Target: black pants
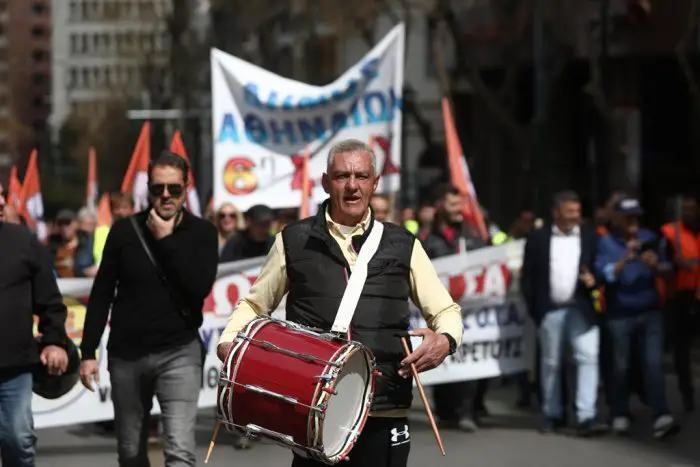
<point>454,401</point>
<point>384,442</point>
<point>685,325</point>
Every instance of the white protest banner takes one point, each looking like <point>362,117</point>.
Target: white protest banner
<point>497,338</point>
<point>263,122</point>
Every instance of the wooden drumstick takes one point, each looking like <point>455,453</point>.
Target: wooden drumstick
<point>213,441</point>
<point>422,396</point>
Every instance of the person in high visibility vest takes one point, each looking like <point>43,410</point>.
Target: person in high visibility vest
<point>683,237</point>
<point>121,205</point>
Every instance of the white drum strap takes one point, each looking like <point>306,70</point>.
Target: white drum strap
<point>357,280</point>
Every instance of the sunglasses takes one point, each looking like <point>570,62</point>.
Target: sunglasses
<point>230,215</point>
<point>158,189</point>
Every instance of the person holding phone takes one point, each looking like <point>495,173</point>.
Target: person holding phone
<point>629,261</point>
<point>157,268</point>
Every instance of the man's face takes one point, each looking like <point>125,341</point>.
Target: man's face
<point>626,224</point>
<point>2,203</point>
<point>690,214</point>
<point>227,217</point>
<point>452,208</point>
<point>122,209</point>
<point>380,206</point>
<point>351,183</point>
<point>167,191</point>
<point>568,215</point>
<point>67,228</point>
<point>426,215</point>
<point>87,224</point>
<point>259,232</point>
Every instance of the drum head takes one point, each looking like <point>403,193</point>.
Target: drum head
<point>347,408</point>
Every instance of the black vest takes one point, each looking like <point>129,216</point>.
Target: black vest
<point>317,272</point>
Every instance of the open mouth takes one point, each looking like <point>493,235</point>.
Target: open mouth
<point>352,199</point>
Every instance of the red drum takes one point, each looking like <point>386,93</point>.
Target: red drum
<point>304,390</point>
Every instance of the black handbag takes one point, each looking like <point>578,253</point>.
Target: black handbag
<point>175,295</point>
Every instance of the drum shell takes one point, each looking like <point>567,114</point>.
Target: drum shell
<point>287,375</point>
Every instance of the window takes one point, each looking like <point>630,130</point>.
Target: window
<point>38,79</point>
<point>74,12</point>
<point>86,78</point>
<point>38,8</point>
<point>74,47</point>
<point>38,31</point>
<point>39,56</point>
<point>73,78</point>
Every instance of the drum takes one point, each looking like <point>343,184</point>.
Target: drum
<point>302,389</point>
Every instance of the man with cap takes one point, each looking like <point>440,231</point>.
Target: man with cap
<point>629,260</point>
<point>27,288</point>
<point>255,240</point>
<point>71,248</point>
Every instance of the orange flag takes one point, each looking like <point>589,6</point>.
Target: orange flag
<point>14,189</point>
<point>136,177</point>
<point>305,210</point>
<point>459,172</point>
<point>91,195</point>
<point>104,211</point>
<point>177,146</point>
<point>31,203</point>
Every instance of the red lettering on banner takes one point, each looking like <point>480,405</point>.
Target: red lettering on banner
<point>385,145</point>
<point>298,162</point>
<point>491,280</point>
<point>230,295</point>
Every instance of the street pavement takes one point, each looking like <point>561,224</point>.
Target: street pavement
<point>509,437</point>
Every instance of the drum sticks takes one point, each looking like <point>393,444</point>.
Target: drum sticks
<point>213,441</point>
<point>422,396</point>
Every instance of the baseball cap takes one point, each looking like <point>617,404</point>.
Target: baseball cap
<point>260,214</point>
<point>629,205</point>
<point>65,215</point>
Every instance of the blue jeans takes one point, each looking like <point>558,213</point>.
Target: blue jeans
<point>17,437</point>
<point>559,328</point>
<point>648,327</point>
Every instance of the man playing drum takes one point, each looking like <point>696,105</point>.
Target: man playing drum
<point>312,259</point>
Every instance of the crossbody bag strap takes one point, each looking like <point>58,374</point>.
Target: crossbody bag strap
<point>352,293</point>
<point>164,279</point>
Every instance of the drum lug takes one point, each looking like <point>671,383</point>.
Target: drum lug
<point>330,390</point>
<point>326,378</point>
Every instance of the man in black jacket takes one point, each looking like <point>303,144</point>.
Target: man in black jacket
<point>255,240</point>
<point>457,405</point>
<point>27,287</point>
<point>312,259</point>
<point>556,282</point>
<point>154,345</point>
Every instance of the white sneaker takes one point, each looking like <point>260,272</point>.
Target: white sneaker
<point>621,425</point>
<point>665,426</point>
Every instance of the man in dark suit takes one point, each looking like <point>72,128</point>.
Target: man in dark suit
<point>557,282</point>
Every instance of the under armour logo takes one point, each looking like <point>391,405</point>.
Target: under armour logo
<point>395,433</point>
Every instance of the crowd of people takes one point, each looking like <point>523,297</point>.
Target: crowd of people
<point>616,292</point>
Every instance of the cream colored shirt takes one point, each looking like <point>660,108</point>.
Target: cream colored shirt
<point>427,291</point>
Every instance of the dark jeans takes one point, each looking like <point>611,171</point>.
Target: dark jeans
<point>647,328</point>
<point>174,377</point>
<point>686,322</point>
<point>17,437</point>
<point>384,442</point>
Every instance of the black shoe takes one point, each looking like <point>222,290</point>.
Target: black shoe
<point>589,428</point>
<point>551,425</point>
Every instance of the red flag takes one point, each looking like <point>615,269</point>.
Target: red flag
<point>91,194</point>
<point>459,172</point>
<point>31,203</point>
<point>136,177</point>
<point>14,189</point>
<point>177,146</point>
<point>305,210</point>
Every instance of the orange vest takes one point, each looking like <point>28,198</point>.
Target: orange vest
<point>686,246</point>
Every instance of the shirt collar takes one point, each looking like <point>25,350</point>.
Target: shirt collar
<point>361,227</point>
<point>557,232</point>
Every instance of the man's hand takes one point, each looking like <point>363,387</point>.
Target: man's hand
<point>158,226</point>
<point>428,355</point>
<point>222,350</point>
<point>55,359</point>
<point>651,259</point>
<point>587,278</point>
<point>89,369</point>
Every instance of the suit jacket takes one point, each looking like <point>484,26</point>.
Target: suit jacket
<point>534,277</point>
